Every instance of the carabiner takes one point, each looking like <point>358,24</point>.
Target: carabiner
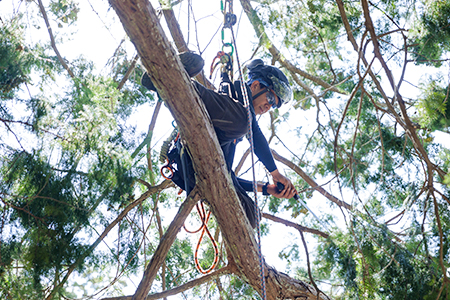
<point>167,167</point>
<point>228,45</point>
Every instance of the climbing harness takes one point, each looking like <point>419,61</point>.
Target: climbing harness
<point>204,218</point>
<point>229,21</point>
<point>178,168</point>
<point>163,154</point>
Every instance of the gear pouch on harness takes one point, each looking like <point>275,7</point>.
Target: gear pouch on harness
<point>178,167</point>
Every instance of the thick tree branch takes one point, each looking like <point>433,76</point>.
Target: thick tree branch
<point>128,73</point>
<point>346,23</point>
<point>52,39</point>
<point>166,242</point>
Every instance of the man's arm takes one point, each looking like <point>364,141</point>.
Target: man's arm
<point>264,154</point>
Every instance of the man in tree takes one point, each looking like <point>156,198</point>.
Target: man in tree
<point>267,87</point>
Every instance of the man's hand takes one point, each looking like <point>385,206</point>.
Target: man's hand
<point>289,190</point>
<point>274,191</point>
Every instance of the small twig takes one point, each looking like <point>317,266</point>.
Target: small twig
<point>294,225</point>
<point>318,291</point>
<point>128,73</point>
<point>52,39</point>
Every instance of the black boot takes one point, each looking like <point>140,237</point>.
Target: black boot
<point>147,82</point>
<point>193,64</point>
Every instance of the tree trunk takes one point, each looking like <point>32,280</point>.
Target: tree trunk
<point>213,181</point>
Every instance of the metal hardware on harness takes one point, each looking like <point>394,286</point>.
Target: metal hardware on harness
<point>229,20</point>
<point>222,58</point>
<point>164,155</point>
<point>204,217</point>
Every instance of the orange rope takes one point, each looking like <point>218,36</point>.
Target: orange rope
<point>204,217</point>
<point>169,169</point>
<point>223,58</point>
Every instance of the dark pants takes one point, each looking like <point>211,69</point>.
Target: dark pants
<point>229,118</point>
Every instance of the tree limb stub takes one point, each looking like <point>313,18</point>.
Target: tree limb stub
<point>213,181</point>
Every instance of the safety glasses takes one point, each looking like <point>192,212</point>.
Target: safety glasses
<point>271,98</point>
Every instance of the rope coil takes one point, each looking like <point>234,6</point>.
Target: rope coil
<point>204,217</point>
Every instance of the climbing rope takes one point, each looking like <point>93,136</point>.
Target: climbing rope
<point>204,218</point>
<point>229,21</point>
<point>252,155</point>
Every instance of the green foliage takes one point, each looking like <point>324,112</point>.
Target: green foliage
<point>9,251</point>
<point>433,107</point>
<point>306,31</point>
<point>66,11</point>
<point>179,260</point>
<point>18,60</point>
<point>339,257</point>
<point>14,286</point>
<point>432,33</point>
<point>377,265</point>
<point>15,60</point>
<point>239,289</point>
<point>52,191</point>
<point>48,209</point>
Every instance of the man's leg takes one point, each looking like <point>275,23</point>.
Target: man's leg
<point>193,64</point>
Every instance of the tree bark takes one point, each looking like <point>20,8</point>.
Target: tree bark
<point>213,181</point>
